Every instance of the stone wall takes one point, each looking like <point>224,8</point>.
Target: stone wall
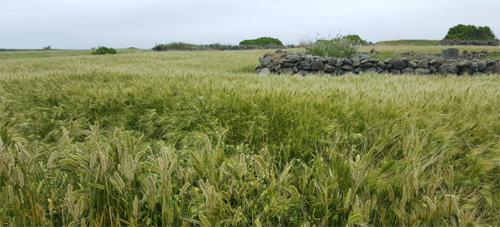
<point>450,42</point>
<point>301,63</point>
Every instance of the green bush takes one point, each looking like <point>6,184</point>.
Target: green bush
<point>338,47</point>
<point>470,32</point>
<point>356,39</point>
<point>104,50</point>
<point>262,41</point>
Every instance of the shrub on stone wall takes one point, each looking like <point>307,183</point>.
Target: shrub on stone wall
<point>262,41</point>
<point>469,32</point>
<point>337,47</point>
<point>214,46</point>
<point>177,46</point>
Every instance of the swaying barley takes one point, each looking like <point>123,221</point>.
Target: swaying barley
<point>195,138</point>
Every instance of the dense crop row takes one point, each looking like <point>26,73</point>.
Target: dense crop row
<point>175,138</point>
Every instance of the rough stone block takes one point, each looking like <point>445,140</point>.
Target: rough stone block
<point>398,64</point>
<point>450,53</point>
<point>422,71</point>
<point>407,71</point>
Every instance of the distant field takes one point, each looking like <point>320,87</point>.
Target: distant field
<point>180,138</point>
<point>414,42</point>
<point>53,53</point>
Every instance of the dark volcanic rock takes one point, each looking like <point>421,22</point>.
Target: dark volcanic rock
<point>407,71</point>
<point>443,69</point>
<point>452,68</point>
<point>347,67</point>
<point>493,69</point>
<point>371,70</point>
<point>399,64</point>
<point>424,63</point>
<point>436,62</point>
<point>389,61</point>
<point>369,63</point>
<point>317,65</point>
<point>422,71</point>
<point>356,63</point>
<point>448,68</point>
<point>363,56</point>
<point>481,65</point>
<point>395,71</point>
<point>264,71</point>
<point>466,72</point>
<point>288,70</point>
<point>305,63</point>
<point>347,62</point>
<point>450,53</point>
<point>340,62</point>
<point>474,67</point>
<point>381,64</point>
<point>265,61</point>
<point>464,63</point>
<point>433,69</point>
<point>303,72</point>
<point>329,69</point>
<point>412,64</point>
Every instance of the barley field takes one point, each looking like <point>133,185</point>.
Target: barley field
<point>196,138</point>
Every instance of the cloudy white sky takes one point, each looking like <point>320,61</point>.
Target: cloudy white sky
<point>83,24</point>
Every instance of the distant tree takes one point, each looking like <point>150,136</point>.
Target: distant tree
<point>355,39</point>
<point>469,32</point>
<point>46,48</point>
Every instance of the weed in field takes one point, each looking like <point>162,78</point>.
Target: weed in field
<point>337,47</point>
<point>382,55</point>
<point>495,55</point>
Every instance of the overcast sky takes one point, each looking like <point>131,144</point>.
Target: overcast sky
<point>83,24</point>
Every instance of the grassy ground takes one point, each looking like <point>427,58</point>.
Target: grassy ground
<point>175,138</point>
<point>385,51</point>
<point>414,42</point>
<point>425,49</point>
<point>54,53</point>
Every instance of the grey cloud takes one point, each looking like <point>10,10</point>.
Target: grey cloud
<point>87,23</point>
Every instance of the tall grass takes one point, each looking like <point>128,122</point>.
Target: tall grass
<point>415,42</point>
<point>178,138</point>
